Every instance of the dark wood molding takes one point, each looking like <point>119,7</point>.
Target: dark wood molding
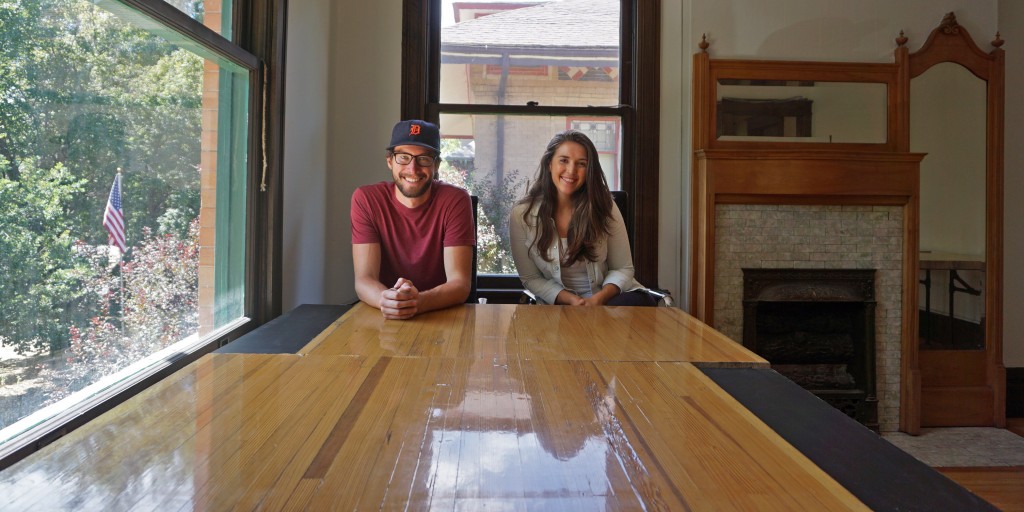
<point>261,30</point>
<point>417,57</point>
<point>167,17</point>
<point>645,55</point>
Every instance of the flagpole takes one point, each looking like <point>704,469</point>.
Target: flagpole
<point>120,263</point>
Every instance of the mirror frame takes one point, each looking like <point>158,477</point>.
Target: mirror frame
<point>950,42</point>
<point>705,96</point>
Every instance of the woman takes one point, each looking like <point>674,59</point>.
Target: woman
<point>569,242</point>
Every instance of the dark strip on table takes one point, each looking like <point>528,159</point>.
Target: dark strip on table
<point>288,333</point>
<point>875,471</point>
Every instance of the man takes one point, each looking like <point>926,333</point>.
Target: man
<point>412,238</point>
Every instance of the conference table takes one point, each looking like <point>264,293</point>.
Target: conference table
<point>476,407</point>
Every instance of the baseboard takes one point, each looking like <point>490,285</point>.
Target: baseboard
<point>1015,392</point>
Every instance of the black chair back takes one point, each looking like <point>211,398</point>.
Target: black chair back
<point>621,198</point>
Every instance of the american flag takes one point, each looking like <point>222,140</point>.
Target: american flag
<point>113,219</point>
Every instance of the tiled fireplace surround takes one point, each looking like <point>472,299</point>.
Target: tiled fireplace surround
<point>817,236</point>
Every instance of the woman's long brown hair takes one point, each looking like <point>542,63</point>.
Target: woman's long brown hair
<point>592,204</point>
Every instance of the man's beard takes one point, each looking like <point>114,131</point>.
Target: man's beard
<point>411,190</point>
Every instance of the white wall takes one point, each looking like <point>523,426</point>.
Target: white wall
<point>343,96</point>
<point>305,153</point>
<point>362,75</point>
<point>674,151</point>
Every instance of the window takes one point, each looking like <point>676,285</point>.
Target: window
<point>605,135</point>
<point>121,121</point>
<point>500,82</point>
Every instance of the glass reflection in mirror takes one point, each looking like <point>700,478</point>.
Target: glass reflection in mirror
<point>801,111</point>
<point>947,121</point>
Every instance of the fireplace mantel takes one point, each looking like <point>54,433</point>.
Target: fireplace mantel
<point>809,177</point>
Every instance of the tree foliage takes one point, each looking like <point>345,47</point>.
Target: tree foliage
<point>494,249</point>
<point>41,289</point>
<point>83,94</point>
<point>158,292</point>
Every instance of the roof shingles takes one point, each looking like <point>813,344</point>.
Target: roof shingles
<point>557,24</point>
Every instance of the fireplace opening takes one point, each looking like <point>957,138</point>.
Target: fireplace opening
<point>816,327</point>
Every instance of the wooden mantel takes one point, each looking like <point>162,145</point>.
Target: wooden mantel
<point>806,177</point>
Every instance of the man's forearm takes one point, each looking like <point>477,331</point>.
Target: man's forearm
<point>369,290</point>
<point>445,295</point>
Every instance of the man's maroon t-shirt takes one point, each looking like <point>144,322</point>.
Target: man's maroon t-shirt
<point>412,240</point>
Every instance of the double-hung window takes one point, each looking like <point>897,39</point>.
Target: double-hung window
<point>131,164</point>
<point>502,79</point>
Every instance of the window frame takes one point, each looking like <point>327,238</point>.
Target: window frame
<point>639,53</point>
<point>258,28</point>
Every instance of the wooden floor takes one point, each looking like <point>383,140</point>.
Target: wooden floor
<point>1000,486</point>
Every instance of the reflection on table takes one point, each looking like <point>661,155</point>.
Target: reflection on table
<point>503,332</point>
<point>510,407</point>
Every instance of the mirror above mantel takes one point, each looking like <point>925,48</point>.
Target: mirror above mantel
<point>800,111</point>
<point>766,104</point>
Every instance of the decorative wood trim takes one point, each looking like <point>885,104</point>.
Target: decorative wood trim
<point>701,128</point>
<point>950,42</point>
<point>994,234</point>
<point>800,177</point>
<point>910,373</point>
<point>799,71</point>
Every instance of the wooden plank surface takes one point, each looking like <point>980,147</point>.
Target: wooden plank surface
<point>356,432</point>
<point>502,332</point>
<point>874,470</point>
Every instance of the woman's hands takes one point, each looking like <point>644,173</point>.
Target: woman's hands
<point>600,298</point>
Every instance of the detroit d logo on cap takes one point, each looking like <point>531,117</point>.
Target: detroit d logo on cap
<point>414,129</point>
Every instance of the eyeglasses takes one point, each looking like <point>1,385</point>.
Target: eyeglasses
<point>421,160</point>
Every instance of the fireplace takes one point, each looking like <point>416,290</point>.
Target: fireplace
<point>817,327</point>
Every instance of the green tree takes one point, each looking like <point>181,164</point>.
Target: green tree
<point>41,274</point>
<point>494,253</point>
<point>158,293</point>
<point>83,94</point>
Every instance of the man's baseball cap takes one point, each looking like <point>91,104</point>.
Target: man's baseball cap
<point>415,132</point>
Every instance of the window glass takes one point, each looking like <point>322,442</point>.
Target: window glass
<point>558,53</point>
<point>215,14</point>
<point>110,133</point>
<point>496,156</point>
